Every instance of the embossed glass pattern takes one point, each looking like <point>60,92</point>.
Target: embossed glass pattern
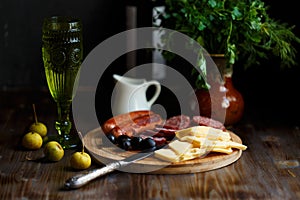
<point>62,57</point>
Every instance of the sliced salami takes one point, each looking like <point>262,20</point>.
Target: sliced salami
<point>177,122</point>
<point>159,141</point>
<point>169,134</point>
<point>205,121</point>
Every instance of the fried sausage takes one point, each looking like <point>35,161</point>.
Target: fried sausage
<point>122,119</point>
<point>137,125</point>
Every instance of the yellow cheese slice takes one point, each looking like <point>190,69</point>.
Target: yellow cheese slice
<point>198,142</point>
<point>237,145</point>
<point>180,147</point>
<point>193,153</point>
<point>204,142</point>
<point>167,155</point>
<point>222,150</point>
<point>204,132</point>
<point>170,156</point>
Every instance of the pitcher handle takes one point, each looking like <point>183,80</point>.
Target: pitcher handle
<point>157,91</point>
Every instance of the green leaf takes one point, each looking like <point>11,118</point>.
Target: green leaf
<point>200,40</point>
<point>236,14</point>
<point>237,28</point>
<point>212,3</point>
<point>201,26</point>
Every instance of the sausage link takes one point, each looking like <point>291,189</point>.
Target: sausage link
<point>138,125</point>
<point>122,119</point>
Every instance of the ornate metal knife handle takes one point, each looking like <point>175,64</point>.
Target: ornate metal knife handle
<point>82,179</point>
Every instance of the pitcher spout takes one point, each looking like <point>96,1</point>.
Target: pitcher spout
<point>128,80</point>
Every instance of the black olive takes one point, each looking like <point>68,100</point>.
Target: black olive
<point>124,142</point>
<point>121,138</point>
<point>111,138</point>
<point>148,143</point>
<point>136,142</point>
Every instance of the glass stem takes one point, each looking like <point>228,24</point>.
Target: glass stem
<point>63,124</point>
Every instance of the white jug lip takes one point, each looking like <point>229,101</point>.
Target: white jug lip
<point>129,80</point>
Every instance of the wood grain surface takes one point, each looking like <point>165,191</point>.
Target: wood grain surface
<point>268,169</point>
<point>105,154</point>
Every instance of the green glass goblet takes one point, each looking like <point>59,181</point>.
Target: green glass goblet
<point>62,57</point>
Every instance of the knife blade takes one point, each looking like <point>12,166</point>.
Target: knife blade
<point>80,180</point>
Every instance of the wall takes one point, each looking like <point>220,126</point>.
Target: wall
<point>20,34</point>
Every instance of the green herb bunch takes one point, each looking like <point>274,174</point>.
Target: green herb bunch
<point>239,29</point>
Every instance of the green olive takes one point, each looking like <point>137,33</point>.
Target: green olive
<point>32,140</point>
<point>39,128</point>
<point>80,160</point>
<point>53,151</point>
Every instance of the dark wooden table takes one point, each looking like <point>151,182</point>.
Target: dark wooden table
<point>268,169</point>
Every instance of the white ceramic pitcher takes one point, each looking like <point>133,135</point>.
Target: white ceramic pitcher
<point>129,94</point>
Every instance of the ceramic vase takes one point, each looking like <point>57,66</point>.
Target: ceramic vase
<point>222,101</point>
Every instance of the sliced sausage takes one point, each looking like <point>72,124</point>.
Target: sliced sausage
<point>205,121</point>
<point>177,122</point>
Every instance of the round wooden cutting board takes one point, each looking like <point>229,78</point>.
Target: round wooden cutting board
<point>104,154</point>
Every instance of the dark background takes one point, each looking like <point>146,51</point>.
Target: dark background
<point>20,33</point>
<point>271,93</point>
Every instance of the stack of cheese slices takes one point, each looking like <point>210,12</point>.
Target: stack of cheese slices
<point>196,142</point>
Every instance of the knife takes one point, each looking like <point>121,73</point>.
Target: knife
<point>82,179</point>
